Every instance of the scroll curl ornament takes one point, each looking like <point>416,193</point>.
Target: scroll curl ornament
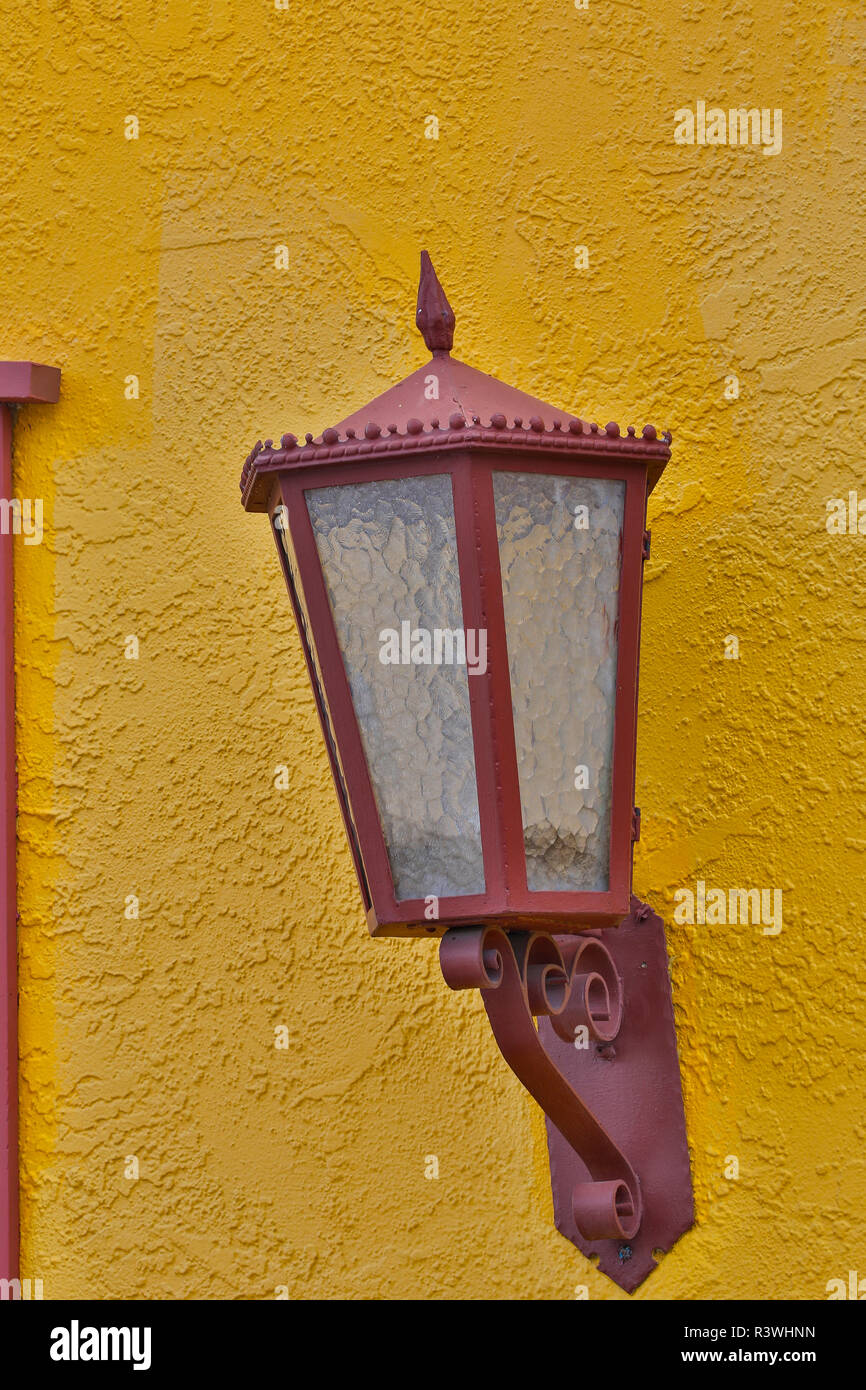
<point>522,975</point>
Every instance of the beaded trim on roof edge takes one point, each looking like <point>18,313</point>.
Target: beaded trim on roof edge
<point>458,431</point>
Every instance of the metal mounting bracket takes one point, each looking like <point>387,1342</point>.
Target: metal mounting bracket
<point>603,1066</point>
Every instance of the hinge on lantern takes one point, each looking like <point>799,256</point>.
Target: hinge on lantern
<point>645,548</point>
<point>635,823</point>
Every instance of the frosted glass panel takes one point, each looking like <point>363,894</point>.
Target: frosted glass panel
<point>560,542</point>
<point>297,593</point>
<point>389,556</point>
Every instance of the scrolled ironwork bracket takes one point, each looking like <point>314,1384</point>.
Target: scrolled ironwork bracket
<point>603,1066</point>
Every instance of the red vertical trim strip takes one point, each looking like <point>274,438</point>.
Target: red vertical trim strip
<point>8,895</point>
<point>19,382</point>
<point>628,661</point>
<point>499,680</point>
<point>476,615</point>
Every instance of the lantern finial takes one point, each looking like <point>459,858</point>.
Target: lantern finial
<point>434,317</point>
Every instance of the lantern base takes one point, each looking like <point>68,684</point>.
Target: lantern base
<point>632,1086</point>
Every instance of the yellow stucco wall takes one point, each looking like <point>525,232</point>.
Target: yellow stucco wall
<point>154,1038</point>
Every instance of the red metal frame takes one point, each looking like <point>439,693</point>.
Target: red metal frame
<point>20,382</point>
<point>507,899</point>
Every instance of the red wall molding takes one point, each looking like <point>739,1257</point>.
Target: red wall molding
<point>20,383</point>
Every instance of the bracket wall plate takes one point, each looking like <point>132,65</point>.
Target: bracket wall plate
<point>603,1066</point>
<point>634,1088</point>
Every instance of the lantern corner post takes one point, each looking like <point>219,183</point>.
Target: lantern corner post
<point>21,383</point>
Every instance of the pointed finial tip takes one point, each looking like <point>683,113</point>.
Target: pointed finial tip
<point>434,316</point>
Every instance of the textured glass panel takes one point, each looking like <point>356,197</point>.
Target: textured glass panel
<point>389,556</point>
<point>282,530</point>
<point>559,545</point>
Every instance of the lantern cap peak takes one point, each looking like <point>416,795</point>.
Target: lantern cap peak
<point>447,405</point>
<point>434,315</point>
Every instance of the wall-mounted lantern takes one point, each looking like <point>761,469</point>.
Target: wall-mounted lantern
<point>465,566</point>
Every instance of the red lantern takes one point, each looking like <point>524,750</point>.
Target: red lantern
<point>465,565</point>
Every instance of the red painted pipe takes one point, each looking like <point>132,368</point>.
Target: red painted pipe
<point>8,904</point>
<point>19,382</point>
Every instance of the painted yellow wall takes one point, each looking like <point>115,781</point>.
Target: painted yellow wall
<point>154,1038</point>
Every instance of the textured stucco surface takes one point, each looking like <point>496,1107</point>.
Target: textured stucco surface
<point>304,1167</point>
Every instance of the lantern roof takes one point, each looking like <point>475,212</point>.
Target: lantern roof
<point>447,404</point>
